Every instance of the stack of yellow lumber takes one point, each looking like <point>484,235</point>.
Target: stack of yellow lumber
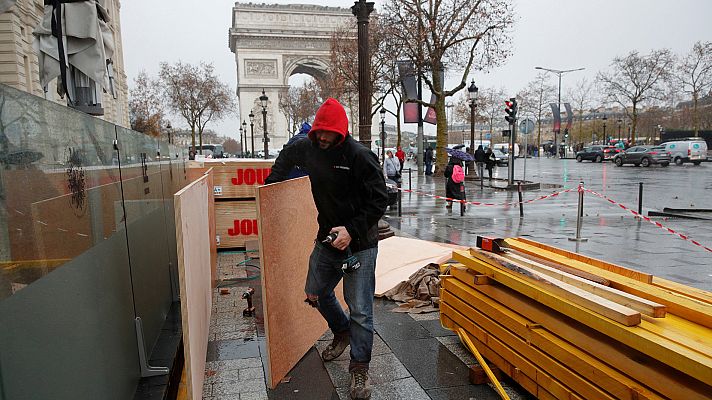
<point>565,326</point>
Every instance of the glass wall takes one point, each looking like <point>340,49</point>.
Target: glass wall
<point>87,243</point>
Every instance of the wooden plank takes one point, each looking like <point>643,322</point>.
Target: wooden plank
<point>627,272</point>
<point>529,368</point>
<point>681,357</point>
<point>688,291</point>
<point>647,307</point>
<point>678,304</point>
<point>193,240</point>
<point>570,293</point>
<point>563,268</point>
<point>236,178</point>
<point>235,223</point>
<point>287,228</point>
<point>605,377</point>
<point>639,366</point>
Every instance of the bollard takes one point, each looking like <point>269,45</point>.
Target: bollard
<point>462,203</point>
<point>410,184</point>
<point>521,203</point>
<point>579,217</point>
<point>640,198</point>
<point>400,204</point>
<point>482,175</point>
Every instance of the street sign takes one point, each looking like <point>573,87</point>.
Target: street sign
<point>488,136</point>
<point>526,126</point>
<point>506,132</point>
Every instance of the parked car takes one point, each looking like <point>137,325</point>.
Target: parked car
<point>592,153</point>
<point>643,155</point>
<point>501,159</point>
<point>682,151</point>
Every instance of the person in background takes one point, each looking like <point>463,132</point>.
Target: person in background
<point>453,189</point>
<point>428,160</point>
<point>350,196</point>
<point>400,154</point>
<point>480,160</point>
<point>490,161</point>
<point>297,171</point>
<point>391,166</point>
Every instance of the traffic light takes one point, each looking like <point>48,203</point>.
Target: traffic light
<point>511,110</point>
<point>566,134</point>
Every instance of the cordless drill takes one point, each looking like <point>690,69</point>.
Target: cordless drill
<point>351,262</point>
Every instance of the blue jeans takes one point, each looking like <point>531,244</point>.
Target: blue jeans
<point>359,286</point>
<point>428,166</point>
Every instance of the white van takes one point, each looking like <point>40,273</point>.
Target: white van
<point>504,148</point>
<point>691,150</point>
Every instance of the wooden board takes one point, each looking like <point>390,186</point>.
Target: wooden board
<point>287,228</point>
<point>236,178</point>
<point>236,223</point>
<point>194,265</point>
<point>685,306</point>
<point>500,270</point>
<point>642,368</point>
<point>400,257</point>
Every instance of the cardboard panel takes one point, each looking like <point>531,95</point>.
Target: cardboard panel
<point>287,222</point>
<point>236,178</point>
<point>193,239</point>
<point>236,222</point>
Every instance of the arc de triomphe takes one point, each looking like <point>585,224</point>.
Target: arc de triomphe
<point>272,42</point>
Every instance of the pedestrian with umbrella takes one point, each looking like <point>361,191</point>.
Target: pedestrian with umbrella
<point>455,184</point>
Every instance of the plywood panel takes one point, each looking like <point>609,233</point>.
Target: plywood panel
<point>236,222</point>
<point>400,257</point>
<point>236,178</point>
<point>194,265</point>
<point>287,226</point>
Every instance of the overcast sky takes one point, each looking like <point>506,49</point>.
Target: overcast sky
<point>549,33</point>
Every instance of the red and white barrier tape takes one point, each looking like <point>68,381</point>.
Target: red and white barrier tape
<point>656,223</point>
<point>479,203</point>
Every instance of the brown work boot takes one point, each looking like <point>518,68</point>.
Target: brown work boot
<point>360,388</point>
<point>337,346</point>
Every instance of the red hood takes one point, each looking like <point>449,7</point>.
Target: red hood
<point>331,116</point>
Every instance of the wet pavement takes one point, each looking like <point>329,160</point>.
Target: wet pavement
<point>414,358</point>
<point>614,234</point>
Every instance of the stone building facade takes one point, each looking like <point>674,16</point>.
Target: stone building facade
<point>19,66</point>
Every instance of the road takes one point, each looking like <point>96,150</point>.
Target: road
<point>614,234</point>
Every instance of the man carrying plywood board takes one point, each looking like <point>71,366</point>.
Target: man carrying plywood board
<point>350,195</point>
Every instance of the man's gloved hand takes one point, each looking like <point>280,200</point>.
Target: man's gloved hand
<point>343,240</point>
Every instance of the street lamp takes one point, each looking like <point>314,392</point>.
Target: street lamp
<point>620,121</point>
<point>265,139</point>
<point>383,134</point>
<point>558,72</point>
<point>252,134</point>
<point>472,95</point>
<point>604,126</point>
<point>244,142</point>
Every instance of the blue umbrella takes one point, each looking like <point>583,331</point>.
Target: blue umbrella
<point>460,154</point>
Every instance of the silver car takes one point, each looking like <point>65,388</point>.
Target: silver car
<point>643,155</point>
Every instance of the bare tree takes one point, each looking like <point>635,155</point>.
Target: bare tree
<point>300,103</point>
<point>694,73</point>
<point>196,94</point>
<point>145,106</point>
<point>490,106</point>
<point>456,36</point>
<point>582,96</point>
<point>535,98</point>
<point>231,146</point>
<point>634,80</point>
<point>384,53</point>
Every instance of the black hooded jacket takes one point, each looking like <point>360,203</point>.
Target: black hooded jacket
<point>347,185</point>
